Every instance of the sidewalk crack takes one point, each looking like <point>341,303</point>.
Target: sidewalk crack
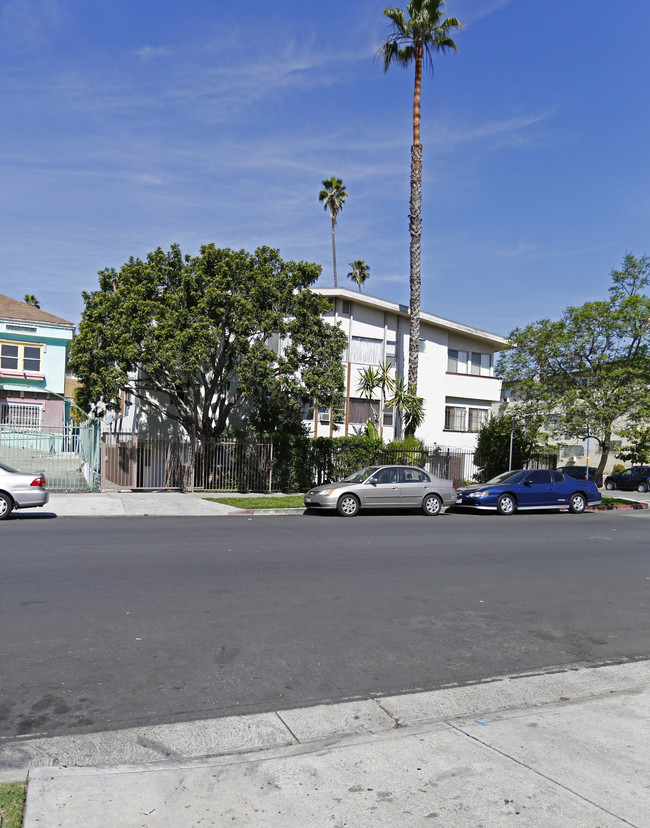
<point>541,774</point>
<point>293,735</point>
<point>388,713</point>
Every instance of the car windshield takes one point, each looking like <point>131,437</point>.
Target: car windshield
<point>361,475</point>
<point>514,476</point>
<point>6,468</point>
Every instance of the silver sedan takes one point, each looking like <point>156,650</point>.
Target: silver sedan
<point>19,490</point>
<point>406,487</point>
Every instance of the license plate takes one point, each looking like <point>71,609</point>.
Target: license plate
<point>459,499</point>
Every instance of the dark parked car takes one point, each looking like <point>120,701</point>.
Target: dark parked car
<point>638,477</point>
<point>581,473</point>
<point>530,489</point>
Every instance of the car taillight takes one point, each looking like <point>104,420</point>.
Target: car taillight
<point>38,481</point>
<point>453,484</point>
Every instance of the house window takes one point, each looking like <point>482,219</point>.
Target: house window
<point>23,415</point>
<point>14,356</point>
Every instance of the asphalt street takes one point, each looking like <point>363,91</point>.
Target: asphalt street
<point>113,623</point>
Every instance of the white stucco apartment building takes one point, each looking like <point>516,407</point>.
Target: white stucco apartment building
<point>455,375</point>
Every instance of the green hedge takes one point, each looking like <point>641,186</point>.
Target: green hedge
<point>301,462</point>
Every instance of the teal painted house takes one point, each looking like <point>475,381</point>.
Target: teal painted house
<point>34,348</point>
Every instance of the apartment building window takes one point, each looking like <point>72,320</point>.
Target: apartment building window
<point>14,356</point>
<point>457,361</point>
<point>464,362</point>
<point>366,350</point>
<point>360,411</point>
<point>455,417</point>
<point>23,415</point>
<point>465,418</point>
<point>477,418</point>
<point>481,364</point>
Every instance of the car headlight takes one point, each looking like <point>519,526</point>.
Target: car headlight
<point>479,494</point>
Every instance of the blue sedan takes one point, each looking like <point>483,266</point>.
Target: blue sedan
<point>530,489</point>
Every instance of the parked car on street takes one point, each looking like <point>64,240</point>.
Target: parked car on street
<point>638,477</point>
<point>530,489</point>
<point>404,487</point>
<point>581,473</point>
<point>19,490</point>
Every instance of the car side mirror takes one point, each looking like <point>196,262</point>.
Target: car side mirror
<point>371,482</point>
<point>528,483</point>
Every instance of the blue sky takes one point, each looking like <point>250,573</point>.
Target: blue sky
<point>132,124</point>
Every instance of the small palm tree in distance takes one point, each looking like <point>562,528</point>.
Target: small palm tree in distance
<point>333,197</point>
<point>30,299</point>
<point>359,273</point>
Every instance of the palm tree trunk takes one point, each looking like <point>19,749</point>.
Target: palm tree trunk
<point>334,253</point>
<point>415,228</point>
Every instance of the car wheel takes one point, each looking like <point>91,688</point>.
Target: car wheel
<point>348,505</point>
<point>431,505</point>
<point>6,505</point>
<point>577,503</point>
<point>506,505</point>
<point>610,486</point>
<point>642,487</point>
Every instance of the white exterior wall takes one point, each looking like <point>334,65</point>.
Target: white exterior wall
<point>377,319</point>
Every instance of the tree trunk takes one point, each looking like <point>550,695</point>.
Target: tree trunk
<point>605,445</point>
<point>334,253</point>
<point>415,226</point>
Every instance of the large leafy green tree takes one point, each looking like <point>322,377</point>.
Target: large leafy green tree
<point>504,442</point>
<point>203,335</point>
<point>413,38</point>
<point>585,371</point>
<point>333,197</point>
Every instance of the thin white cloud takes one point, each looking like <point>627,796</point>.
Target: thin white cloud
<point>26,24</point>
<point>470,11</point>
<point>149,53</point>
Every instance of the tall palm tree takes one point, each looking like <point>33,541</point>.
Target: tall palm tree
<point>30,299</point>
<point>359,273</point>
<point>333,196</point>
<point>415,38</point>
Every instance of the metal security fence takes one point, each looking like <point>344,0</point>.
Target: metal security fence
<point>156,461</point>
<point>68,455</point>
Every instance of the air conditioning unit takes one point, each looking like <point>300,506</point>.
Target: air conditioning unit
<point>571,459</point>
<point>324,417</point>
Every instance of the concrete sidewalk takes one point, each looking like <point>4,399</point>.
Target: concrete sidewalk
<point>143,504</point>
<point>565,748</point>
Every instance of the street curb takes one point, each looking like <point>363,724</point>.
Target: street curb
<point>618,506</point>
<point>296,511</point>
